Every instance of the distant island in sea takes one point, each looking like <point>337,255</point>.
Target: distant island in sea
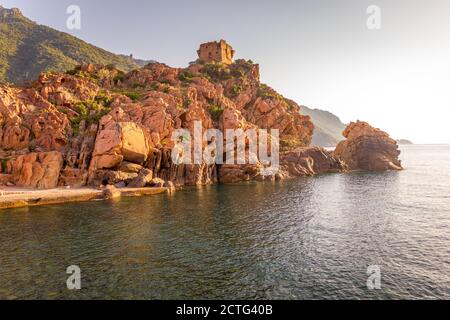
<point>404,141</point>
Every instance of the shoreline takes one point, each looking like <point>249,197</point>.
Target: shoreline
<point>21,197</point>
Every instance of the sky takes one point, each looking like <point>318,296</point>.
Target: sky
<point>319,53</point>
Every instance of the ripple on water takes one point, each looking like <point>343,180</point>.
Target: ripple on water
<point>303,238</point>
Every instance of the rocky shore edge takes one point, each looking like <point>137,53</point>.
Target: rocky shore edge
<point>19,197</point>
<point>366,148</point>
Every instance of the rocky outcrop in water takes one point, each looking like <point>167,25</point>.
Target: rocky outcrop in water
<point>368,148</point>
<point>309,162</point>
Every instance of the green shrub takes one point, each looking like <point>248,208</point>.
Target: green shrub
<point>82,108</point>
<point>187,103</point>
<point>72,72</point>
<point>217,71</point>
<point>119,77</point>
<point>154,86</point>
<point>215,112</point>
<point>3,164</point>
<point>185,76</point>
<point>236,89</point>
<point>289,106</point>
<point>166,89</point>
<point>138,86</point>
<point>265,92</point>
<point>111,66</point>
<point>207,77</point>
<point>90,111</point>
<point>75,124</point>
<point>104,100</point>
<point>238,73</point>
<point>134,96</point>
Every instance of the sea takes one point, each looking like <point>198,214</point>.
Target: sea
<point>357,235</point>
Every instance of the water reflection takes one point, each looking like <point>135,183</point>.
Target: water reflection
<point>302,238</point>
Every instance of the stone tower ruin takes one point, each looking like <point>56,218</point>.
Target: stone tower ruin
<point>216,51</point>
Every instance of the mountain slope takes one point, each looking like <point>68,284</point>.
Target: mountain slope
<point>27,49</point>
<point>328,127</point>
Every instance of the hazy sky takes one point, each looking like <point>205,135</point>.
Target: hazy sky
<point>319,53</point>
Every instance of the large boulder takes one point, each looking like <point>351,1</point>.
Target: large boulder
<point>130,167</point>
<point>111,192</point>
<point>144,177</point>
<point>134,146</point>
<point>156,183</point>
<point>105,177</point>
<point>368,148</point>
<point>117,142</point>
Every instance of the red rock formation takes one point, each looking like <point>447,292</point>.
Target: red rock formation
<point>97,125</point>
<point>5,179</point>
<point>310,161</point>
<point>368,148</point>
<point>37,170</point>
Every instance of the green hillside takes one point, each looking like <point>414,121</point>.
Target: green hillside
<point>27,49</point>
<point>328,127</point>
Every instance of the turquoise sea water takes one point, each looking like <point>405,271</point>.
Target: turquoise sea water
<point>297,239</point>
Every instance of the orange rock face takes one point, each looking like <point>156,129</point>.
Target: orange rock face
<point>86,126</point>
<point>310,161</point>
<point>119,141</point>
<point>37,170</point>
<point>368,148</point>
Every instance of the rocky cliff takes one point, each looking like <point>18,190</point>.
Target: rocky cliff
<point>97,125</point>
